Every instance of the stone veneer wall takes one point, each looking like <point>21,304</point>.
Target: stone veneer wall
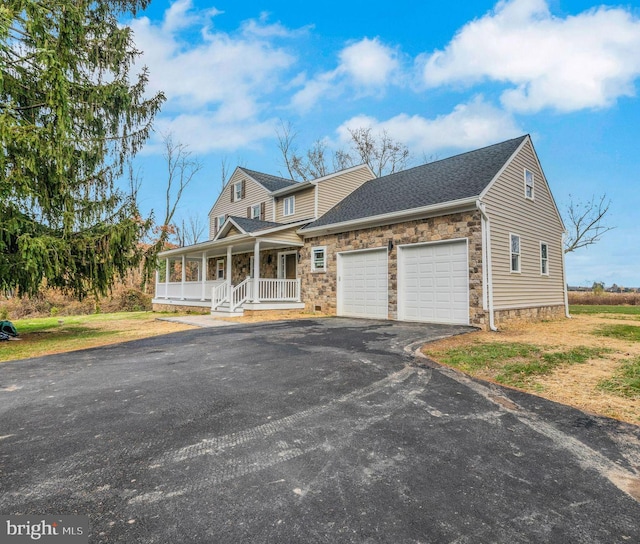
<point>528,315</point>
<point>268,268</point>
<point>181,308</point>
<point>319,289</point>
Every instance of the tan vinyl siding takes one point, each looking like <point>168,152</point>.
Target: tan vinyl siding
<point>336,188</point>
<point>303,209</point>
<point>285,235</point>
<point>232,232</point>
<point>535,221</point>
<point>254,194</point>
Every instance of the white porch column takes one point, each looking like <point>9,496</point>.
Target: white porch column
<point>184,275</point>
<point>166,278</point>
<point>203,275</point>
<point>256,272</point>
<point>228,278</point>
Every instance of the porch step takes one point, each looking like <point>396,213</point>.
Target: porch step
<point>224,311</point>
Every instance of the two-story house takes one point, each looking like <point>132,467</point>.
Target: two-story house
<point>472,239</point>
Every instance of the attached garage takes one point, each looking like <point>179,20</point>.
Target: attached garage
<point>363,280</point>
<point>433,282</point>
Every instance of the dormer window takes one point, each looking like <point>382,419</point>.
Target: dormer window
<point>289,206</point>
<point>528,184</point>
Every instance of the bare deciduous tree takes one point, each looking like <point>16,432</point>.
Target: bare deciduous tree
<point>189,232</point>
<point>585,222</point>
<point>380,152</point>
<point>181,169</point>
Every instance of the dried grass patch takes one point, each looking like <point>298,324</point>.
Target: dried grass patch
<point>575,385</point>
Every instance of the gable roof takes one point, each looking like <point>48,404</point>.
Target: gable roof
<point>459,177</point>
<point>252,225</point>
<point>244,225</point>
<point>269,182</point>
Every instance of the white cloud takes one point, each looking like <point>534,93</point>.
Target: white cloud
<point>206,132</point>
<point>321,86</point>
<point>228,78</point>
<point>218,69</point>
<point>263,28</point>
<point>583,61</point>
<point>367,66</point>
<point>368,62</point>
<point>468,126</point>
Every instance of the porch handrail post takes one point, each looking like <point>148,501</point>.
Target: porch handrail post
<point>184,276</point>
<point>256,272</point>
<point>228,278</point>
<point>203,275</point>
<point>166,279</point>
<point>298,293</point>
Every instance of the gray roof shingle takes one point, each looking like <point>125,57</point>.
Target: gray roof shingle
<point>252,225</point>
<point>269,182</point>
<point>458,177</point>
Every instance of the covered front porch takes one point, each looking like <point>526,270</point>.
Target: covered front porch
<point>228,276</point>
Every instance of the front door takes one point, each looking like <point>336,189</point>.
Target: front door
<point>287,263</point>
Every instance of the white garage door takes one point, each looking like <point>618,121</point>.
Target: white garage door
<point>433,283</point>
<point>362,284</point>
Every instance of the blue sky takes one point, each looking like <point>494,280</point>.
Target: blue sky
<point>442,78</point>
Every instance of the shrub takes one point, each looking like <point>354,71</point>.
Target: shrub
<point>133,300</point>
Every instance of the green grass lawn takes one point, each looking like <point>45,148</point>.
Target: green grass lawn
<point>44,335</point>
<point>621,332</point>
<point>612,309</point>
<point>626,381</point>
<point>514,363</point>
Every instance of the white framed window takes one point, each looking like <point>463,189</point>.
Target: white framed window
<point>319,259</point>
<point>514,242</point>
<point>255,211</point>
<point>289,205</point>
<point>544,259</point>
<point>528,184</point>
<point>219,222</point>
<point>238,192</point>
<point>220,269</point>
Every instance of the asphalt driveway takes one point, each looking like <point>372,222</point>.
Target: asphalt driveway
<point>305,431</point>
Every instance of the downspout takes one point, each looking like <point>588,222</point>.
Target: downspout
<point>486,265</point>
<point>564,279</point>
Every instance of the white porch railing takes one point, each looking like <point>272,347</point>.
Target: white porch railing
<point>161,290</point>
<point>192,289</point>
<point>172,289</point>
<point>241,293</point>
<point>270,290</point>
<point>222,292</point>
<point>220,295</point>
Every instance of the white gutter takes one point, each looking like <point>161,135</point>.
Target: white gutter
<point>564,279</point>
<point>299,185</point>
<point>451,206</point>
<point>486,262</point>
<point>203,246</point>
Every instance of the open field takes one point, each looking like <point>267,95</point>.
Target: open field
<point>604,298</point>
<point>591,361</point>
